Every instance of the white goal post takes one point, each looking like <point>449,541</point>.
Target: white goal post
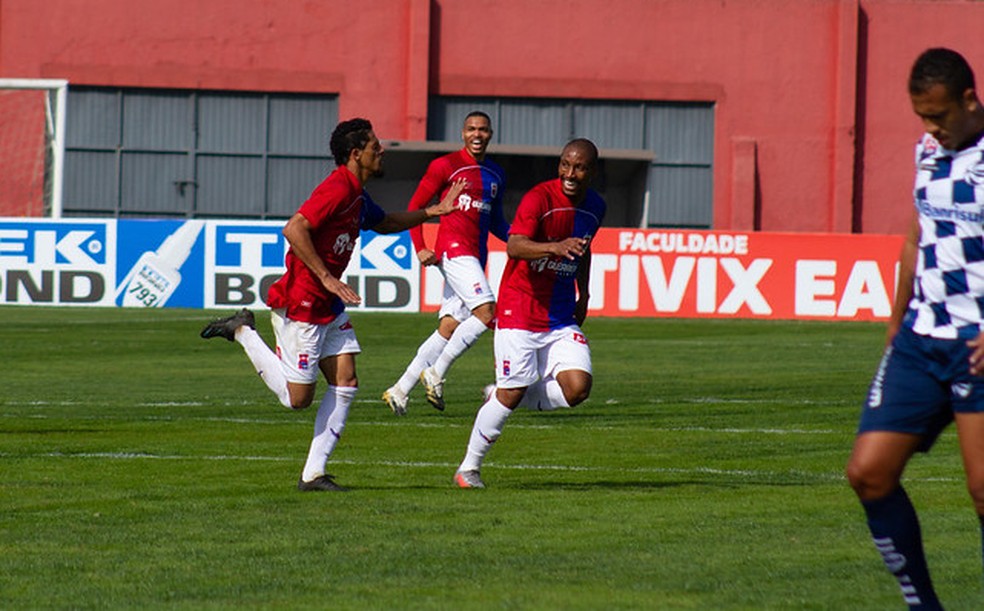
<point>32,135</point>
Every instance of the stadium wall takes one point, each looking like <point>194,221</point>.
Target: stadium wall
<point>813,131</point>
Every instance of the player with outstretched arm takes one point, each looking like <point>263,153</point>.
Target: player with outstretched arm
<point>313,332</point>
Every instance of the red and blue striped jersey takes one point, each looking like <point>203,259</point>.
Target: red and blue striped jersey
<point>541,294</point>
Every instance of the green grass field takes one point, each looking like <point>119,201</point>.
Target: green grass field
<point>142,467</point>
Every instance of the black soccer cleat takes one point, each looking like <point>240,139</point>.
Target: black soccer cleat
<point>324,483</point>
<point>226,327</point>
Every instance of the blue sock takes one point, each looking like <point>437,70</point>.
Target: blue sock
<point>895,530</point>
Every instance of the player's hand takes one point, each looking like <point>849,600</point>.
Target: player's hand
<point>570,248</point>
<point>449,203</point>
<point>342,290</point>
<point>977,355</point>
<point>426,257</point>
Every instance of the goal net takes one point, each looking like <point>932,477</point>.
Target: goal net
<point>32,146</point>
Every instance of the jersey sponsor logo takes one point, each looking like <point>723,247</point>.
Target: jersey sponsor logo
<point>948,214</point>
<point>303,362</point>
<point>579,338</point>
<point>346,326</point>
<point>342,243</point>
<point>467,202</point>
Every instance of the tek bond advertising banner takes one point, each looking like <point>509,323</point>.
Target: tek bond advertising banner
<point>668,273</point>
<point>654,273</point>
<point>180,263</point>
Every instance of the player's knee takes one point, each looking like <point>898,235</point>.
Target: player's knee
<point>976,490</point>
<point>578,392</point>
<point>868,483</point>
<point>486,314</point>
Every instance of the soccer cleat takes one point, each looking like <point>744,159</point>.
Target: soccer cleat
<point>434,386</point>
<point>226,327</point>
<point>468,479</point>
<point>396,400</point>
<point>324,483</point>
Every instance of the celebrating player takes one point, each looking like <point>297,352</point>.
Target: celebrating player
<point>460,251</point>
<point>930,373</point>
<point>543,299</point>
<point>312,330</point>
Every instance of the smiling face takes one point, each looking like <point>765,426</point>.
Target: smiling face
<point>476,134</point>
<point>576,169</point>
<point>954,121</point>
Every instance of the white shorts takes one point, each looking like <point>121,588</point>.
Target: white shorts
<point>302,345</point>
<point>465,287</point>
<point>523,357</point>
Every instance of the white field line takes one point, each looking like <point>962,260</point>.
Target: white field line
<point>748,474</point>
<point>406,423</point>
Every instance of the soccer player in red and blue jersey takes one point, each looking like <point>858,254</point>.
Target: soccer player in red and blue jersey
<point>313,331</point>
<point>541,353</point>
<point>460,252</point>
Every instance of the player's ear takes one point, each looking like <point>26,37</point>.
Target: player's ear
<point>970,100</point>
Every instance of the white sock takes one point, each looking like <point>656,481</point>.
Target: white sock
<point>486,430</point>
<point>463,337</point>
<point>265,362</point>
<point>426,356</point>
<point>328,427</point>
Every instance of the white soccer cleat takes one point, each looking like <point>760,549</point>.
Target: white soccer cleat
<point>396,400</point>
<point>434,386</point>
<point>468,479</point>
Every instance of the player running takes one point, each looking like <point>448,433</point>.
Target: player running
<point>312,330</point>
<point>541,355</point>
<point>460,251</point>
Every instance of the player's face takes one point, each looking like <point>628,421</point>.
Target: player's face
<point>476,133</point>
<point>575,170</point>
<point>952,121</point>
<point>370,157</point>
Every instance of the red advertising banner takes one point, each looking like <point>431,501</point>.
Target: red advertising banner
<point>717,274</point>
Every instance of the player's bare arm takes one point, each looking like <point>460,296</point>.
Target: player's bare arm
<point>583,281</point>
<point>298,234</point>
<point>398,221</point>
<point>907,270</point>
<point>525,247</point>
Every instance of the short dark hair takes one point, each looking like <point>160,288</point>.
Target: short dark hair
<point>940,66</point>
<point>349,136</point>
<point>587,145</point>
<point>478,113</point>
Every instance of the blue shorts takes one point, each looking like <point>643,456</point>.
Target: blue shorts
<point>921,381</point>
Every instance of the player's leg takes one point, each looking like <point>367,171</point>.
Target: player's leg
<point>340,346</point>
<point>465,276</point>
<point>970,430</point>
<point>516,368</point>
<point>452,312</point>
<point>906,408</point>
<point>241,328</point>
<point>565,372</point>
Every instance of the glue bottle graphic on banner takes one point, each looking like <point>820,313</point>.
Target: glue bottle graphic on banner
<point>155,275</point>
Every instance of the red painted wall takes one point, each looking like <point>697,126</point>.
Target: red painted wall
<point>794,81</point>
